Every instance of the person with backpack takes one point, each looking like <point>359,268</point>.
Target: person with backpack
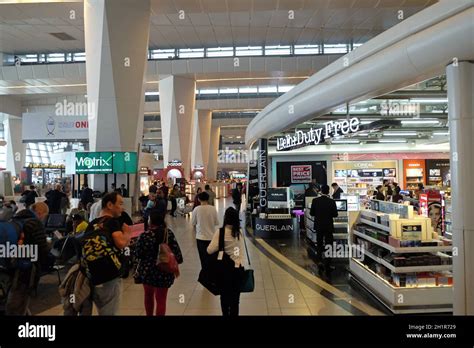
<point>25,273</point>
<point>230,271</point>
<point>102,254</point>
<point>156,281</point>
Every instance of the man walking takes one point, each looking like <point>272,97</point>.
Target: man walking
<point>204,223</point>
<point>55,198</point>
<point>86,195</point>
<point>212,195</point>
<point>324,210</point>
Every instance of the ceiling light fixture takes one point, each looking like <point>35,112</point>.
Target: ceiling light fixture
<point>420,122</point>
<point>428,101</point>
<point>399,134</point>
<point>393,141</point>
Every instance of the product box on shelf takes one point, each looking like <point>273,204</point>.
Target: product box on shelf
<point>398,243</point>
<point>444,279</point>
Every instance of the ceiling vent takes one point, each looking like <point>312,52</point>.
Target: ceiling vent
<point>62,36</point>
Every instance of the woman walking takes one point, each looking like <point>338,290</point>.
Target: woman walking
<point>231,272</point>
<point>155,282</point>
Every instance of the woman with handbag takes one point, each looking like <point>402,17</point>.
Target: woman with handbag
<point>158,254</point>
<point>229,261</point>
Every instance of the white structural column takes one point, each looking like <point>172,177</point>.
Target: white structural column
<point>16,150</point>
<point>213,152</point>
<point>116,40</point>
<point>116,37</point>
<point>177,100</point>
<point>201,135</point>
<point>460,78</point>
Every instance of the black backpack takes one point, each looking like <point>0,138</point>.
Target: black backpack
<point>100,258</point>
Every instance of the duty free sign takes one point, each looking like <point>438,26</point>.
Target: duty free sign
<point>315,136</point>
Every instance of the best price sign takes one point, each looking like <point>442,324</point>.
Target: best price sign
<point>301,174</point>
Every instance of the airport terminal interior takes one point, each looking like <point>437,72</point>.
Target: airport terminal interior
<point>324,144</point>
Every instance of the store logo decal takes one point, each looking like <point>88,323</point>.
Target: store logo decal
<point>318,135</point>
<point>93,162</point>
<point>50,126</point>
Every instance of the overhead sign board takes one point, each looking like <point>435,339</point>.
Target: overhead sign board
<point>106,162</point>
<point>315,136</point>
<point>46,127</point>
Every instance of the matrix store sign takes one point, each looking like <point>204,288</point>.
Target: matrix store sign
<point>106,162</point>
<point>315,136</point>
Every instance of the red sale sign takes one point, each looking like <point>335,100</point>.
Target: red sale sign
<point>301,174</point>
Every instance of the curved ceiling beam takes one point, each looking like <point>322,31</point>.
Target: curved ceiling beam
<point>417,49</point>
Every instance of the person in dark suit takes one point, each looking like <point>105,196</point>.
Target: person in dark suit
<point>336,191</point>
<point>237,196</point>
<point>379,193</point>
<point>324,210</point>
<point>123,191</point>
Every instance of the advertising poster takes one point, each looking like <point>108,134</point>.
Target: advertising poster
<point>301,174</point>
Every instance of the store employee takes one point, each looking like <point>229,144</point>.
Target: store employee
<point>324,210</point>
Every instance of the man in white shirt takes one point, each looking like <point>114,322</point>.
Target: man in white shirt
<point>212,195</point>
<point>204,223</point>
<point>96,208</point>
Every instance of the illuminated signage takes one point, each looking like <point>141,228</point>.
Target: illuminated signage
<point>175,163</point>
<point>315,136</point>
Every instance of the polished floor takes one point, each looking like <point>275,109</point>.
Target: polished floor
<point>282,287</point>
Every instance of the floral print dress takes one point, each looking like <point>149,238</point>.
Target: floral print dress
<point>146,252</point>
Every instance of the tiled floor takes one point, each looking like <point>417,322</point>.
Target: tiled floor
<point>277,291</point>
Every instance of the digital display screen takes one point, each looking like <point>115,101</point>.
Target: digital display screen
<point>341,205</point>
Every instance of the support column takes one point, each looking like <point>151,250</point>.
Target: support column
<point>116,39</point>
<point>213,152</point>
<point>201,135</point>
<point>460,80</point>
<point>16,150</point>
<point>177,100</point>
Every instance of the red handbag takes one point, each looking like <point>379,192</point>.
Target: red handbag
<point>166,261</point>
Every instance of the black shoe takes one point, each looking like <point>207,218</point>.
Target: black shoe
<point>320,269</point>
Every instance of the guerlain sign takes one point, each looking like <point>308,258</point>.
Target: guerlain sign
<point>315,136</point>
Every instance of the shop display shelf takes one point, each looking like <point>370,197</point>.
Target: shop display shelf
<point>410,269</point>
<point>402,300</point>
<point>374,224</point>
<point>405,250</point>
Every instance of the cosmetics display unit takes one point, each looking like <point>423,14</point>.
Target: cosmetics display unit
<point>406,265</point>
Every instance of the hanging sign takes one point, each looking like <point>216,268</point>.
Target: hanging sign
<point>315,136</point>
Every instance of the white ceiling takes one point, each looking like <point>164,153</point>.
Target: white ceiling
<point>212,23</point>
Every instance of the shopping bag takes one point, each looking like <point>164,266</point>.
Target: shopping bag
<point>248,281</point>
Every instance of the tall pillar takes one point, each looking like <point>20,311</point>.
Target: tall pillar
<point>177,99</point>
<point>213,152</point>
<point>460,79</point>
<point>201,135</point>
<point>116,39</point>
<point>16,150</point>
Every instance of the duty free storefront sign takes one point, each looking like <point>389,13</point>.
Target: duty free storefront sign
<point>315,136</point>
